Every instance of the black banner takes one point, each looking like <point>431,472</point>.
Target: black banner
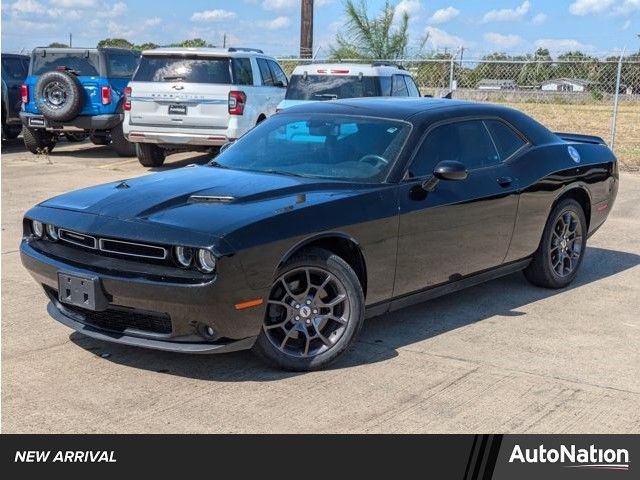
<point>465,457</point>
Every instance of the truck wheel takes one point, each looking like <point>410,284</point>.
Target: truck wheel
<point>100,139</point>
<point>121,145</point>
<point>59,96</point>
<point>37,140</point>
<point>150,155</point>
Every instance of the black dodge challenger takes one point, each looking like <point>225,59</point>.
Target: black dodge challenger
<point>322,215</point>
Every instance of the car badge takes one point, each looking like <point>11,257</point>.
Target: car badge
<point>178,87</point>
<point>573,153</point>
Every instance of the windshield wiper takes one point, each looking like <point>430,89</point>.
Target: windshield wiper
<point>289,174</point>
<point>173,77</point>
<point>330,96</point>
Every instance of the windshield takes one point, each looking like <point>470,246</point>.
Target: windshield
<point>85,64</point>
<point>330,87</point>
<point>339,147</point>
<point>163,68</point>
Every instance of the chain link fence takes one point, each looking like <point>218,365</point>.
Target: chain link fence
<point>597,97</point>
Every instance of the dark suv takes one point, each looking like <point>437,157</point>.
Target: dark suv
<point>14,71</point>
<point>76,90</point>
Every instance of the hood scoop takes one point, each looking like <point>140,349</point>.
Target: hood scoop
<point>212,198</point>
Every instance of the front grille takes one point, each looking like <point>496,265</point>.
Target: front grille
<point>132,249</point>
<point>119,319</point>
<point>77,238</point>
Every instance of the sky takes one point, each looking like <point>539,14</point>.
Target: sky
<point>598,27</point>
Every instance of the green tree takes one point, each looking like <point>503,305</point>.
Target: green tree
<point>145,46</point>
<point>193,43</point>
<point>369,38</point>
<point>58,45</point>
<point>115,43</point>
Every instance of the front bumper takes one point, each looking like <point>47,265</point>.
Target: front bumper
<point>80,123</point>
<point>189,306</point>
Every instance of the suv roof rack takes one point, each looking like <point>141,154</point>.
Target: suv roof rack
<point>244,49</point>
<point>388,64</point>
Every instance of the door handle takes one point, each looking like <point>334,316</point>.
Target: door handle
<point>505,181</point>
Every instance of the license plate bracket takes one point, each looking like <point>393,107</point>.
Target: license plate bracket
<point>81,291</point>
<point>37,122</point>
<point>177,109</point>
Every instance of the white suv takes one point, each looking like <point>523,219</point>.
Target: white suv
<point>330,81</point>
<point>196,98</point>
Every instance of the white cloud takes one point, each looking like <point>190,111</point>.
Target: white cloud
<point>275,24</point>
<point>585,7</point>
<point>151,22</point>
<point>116,10</point>
<point>444,15</point>
<point>561,44</point>
<point>28,6</point>
<point>212,15</point>
<point>323,3</point>
<point>508,14</point>
<point>118,29</point>
<point>503,41</point>
<point>539,19</point>
<point>626,25</point>
<point>439,38</point>
<point>279,4</point>
<point>410,7</point>
<point>627,7</point>
<point>73,3</point>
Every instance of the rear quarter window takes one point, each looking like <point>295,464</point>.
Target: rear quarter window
<point>242,71</point>
<point>506,139</point>
<point>165,68</point>
<point>85,65</point>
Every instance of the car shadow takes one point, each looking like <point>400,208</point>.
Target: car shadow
<point>381,337</point>
<point>13,145</point>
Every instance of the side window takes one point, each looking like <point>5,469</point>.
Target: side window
<point>122,65</point>
<point>279,77</point>
<point>242,72</point>
<point>411,86</point>
<point>265,72</point>
<point>507,141</point>
<point>399,88</point>
<point>385,86</point>
<point>467,142</point>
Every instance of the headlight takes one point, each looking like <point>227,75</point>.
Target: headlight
<point>37,228</point>
<point>206,261</point>
<point>52,233</point>
<point>184,256</point>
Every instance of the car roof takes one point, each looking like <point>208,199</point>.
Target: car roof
<point>367,69</point>
<point>205,51</point>
<point>15,55</point>
<point>81,49</point>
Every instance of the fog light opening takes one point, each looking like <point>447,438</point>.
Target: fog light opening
<point>207,332</point>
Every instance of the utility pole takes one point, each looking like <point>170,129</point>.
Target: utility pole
<point>224,41</point>
<point>70,40</point>
<point>306,29</point>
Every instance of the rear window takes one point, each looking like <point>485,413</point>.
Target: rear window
<point>330,87</point>
<point>183,69</point>
<point>15,68</point>
<point>122,65</point>
<point>83,63</point>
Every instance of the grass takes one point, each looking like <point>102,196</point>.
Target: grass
<point>594,119</point>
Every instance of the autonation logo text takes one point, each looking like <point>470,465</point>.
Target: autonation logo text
<point>574,457</point>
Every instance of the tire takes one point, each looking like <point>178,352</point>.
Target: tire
<point>100,139</point>
<point>308,338</point>
<point>559,256</point>
<point>38,141</point>
<point>121,145</point>
<point>150,155</point>
<point>59,96</point>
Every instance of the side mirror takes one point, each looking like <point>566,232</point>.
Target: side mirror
<point>445,170</point>
<point>450,170</point>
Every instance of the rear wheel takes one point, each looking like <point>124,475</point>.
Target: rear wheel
<point>314,312</point>
<point>37,140</point>
<point>150,155</point>
<point>555,264</point>
<point>120,144</point>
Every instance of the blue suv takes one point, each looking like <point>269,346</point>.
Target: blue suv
<point>76,90</point>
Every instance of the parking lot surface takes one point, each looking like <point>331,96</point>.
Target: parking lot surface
<point>500,357</point>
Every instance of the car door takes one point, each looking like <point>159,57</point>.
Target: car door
<point>269,89</point>
<point>460,227</point>
<point>280,81</point>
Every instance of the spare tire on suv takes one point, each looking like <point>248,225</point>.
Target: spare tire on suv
<point>59,95</point>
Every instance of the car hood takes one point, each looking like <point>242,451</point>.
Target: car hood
<point>207,199</point>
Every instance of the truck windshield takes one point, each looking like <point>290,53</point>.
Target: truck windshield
<point>330,87</point>
<point>340,147</point>
<point>84,64</point>
<point>164,68</point>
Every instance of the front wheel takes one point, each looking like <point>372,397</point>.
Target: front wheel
<point>150,155</point>
<point>314,312</point>
<point>555,264</point>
